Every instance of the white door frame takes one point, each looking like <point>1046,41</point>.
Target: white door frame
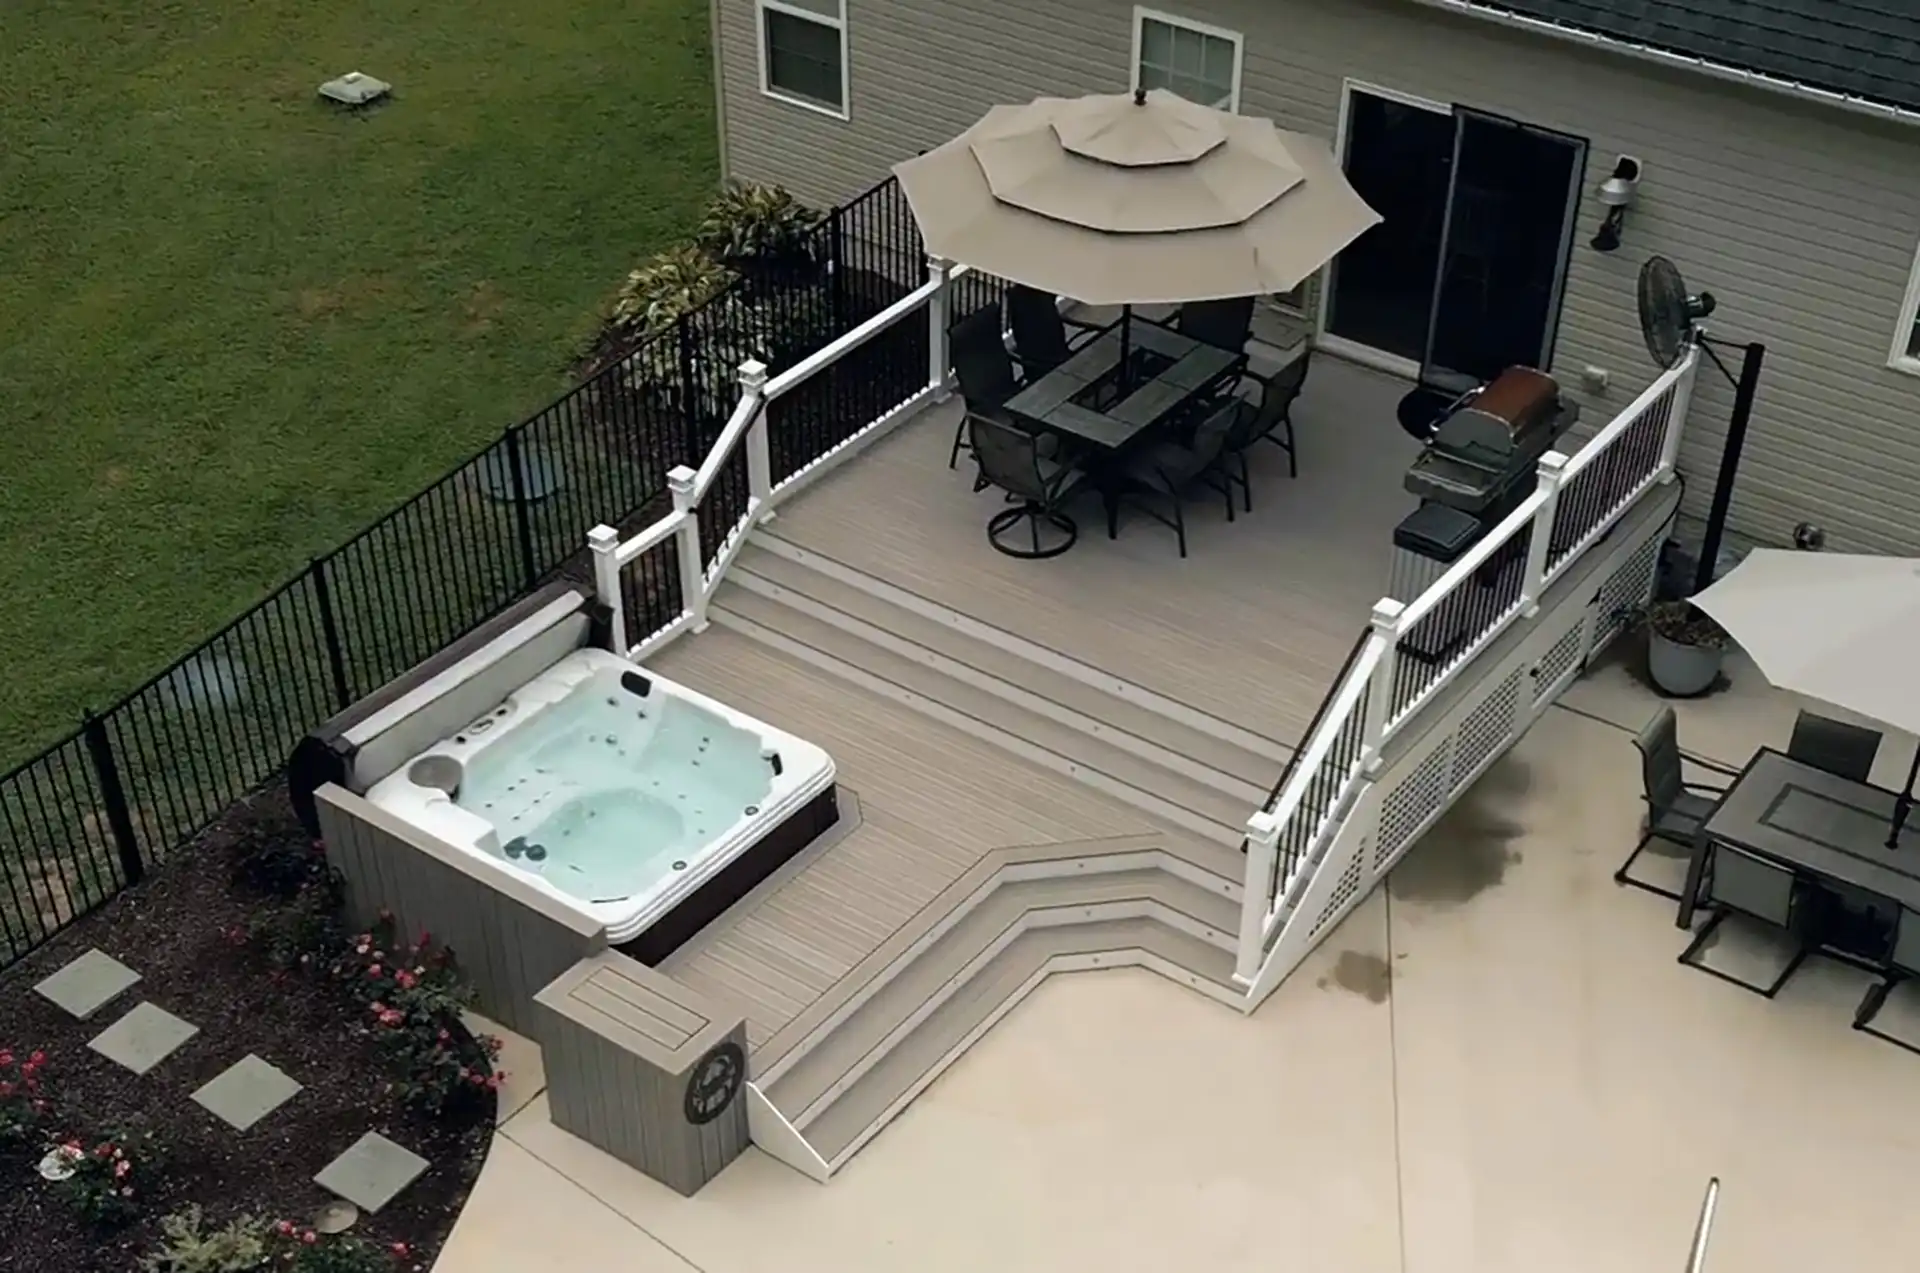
<point>1366,355</point>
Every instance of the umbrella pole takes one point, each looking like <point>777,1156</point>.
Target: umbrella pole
<point>1126,349</point>
<point>1903,803</point>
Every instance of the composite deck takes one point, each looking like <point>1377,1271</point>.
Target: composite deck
<point>932,802</point>
<point>1251,628</point>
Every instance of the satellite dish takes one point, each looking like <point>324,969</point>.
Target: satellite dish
<point>1667,312</point>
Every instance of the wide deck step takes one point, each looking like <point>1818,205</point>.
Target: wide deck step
<point>1177,788</point>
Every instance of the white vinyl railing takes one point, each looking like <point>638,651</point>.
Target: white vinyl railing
<point>690,576</point>
<point>1412,652</point>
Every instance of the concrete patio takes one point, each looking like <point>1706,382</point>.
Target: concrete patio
<point>1495,1067</point>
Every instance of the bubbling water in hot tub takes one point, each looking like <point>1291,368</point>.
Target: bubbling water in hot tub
<point>607,791</point>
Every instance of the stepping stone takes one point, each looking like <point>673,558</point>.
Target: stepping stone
<point>143,1038</point>
<point>88,984</point>
<point>245,1092</point>
<point>372,1172</point>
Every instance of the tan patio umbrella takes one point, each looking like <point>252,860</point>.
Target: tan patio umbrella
<point>1134,199</point>
<point>1839,627</point>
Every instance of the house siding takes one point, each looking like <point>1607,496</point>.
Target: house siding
<point>1801,220</point>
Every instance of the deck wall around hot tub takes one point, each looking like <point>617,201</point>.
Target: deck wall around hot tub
<point>509,938</point>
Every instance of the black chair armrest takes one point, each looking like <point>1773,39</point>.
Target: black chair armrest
<point>1083,326</point>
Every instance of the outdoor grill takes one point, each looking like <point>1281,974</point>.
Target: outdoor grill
<point>1481,459</point>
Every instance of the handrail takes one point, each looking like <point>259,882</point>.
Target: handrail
<point>1703,1228</point>
<point>1615,428</point>
<point>1471,561</point>
<point>845,343</point>
<point>1319,714</point>
<point>736,428</point>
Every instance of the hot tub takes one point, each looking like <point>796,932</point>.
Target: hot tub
<point>649,807</point>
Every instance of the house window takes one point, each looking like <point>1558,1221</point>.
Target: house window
<point>1905,355</point>
<point>1199,62</point>
<point>803,53</point>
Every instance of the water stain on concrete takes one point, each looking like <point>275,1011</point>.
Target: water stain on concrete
<point>1360,973</point>
<point>1470,850</point>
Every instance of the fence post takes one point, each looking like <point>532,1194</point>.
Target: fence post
<point>837,270</point>
<point>330,634</point>
<point>692,397</point>
<point>753,384</point>
<point>1677,417</point>
<point>693,565</point>
<point>114,796</point>
<point>1373,733</point>
<point>603,541</point>
<point>1263,862</point>
<point>522,510</point>
<point>939,365</point>
<point>1552,476</point>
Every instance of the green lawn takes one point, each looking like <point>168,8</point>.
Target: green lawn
<point>236,326</point>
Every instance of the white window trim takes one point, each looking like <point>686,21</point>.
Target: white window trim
<point>1140,16</point>
<point>839,24</point>
<point>1897,356</point>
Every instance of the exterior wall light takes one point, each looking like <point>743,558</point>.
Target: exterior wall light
<point>1617,193</point>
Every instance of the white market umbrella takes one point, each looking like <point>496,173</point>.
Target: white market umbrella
<point>1134,199</point>
<point>1842,628</point>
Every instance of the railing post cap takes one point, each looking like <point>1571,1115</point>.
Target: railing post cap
<point>680,479</point>
<point>1552,463</point>
<point>603,538</point>
<point>1263,826</point>
<point>1386,614</point>
<point>753,373</point>
<point>938,264</point>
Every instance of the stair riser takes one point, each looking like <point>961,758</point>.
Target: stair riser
<point>1146,802</point>
<point>1053,917</point>
<point>1053,660</point>
<point>1058,964</point>
<point>1016,873</point>
<point>986,682</point>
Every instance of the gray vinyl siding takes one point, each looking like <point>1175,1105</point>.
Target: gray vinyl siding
<point>1802,220</point>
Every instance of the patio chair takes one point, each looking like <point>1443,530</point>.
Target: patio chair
<point>1676,808</point>
<point>1843,750</point>
<point>1271,418</point>
<point>1014,460</point>
<point>1169,470</point>
<point>1227,324</point>
<point>977,346</point>
<point>1043,338</point>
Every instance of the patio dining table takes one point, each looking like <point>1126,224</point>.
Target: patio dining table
<point>1056,402</point>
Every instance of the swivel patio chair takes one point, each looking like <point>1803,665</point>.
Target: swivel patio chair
<point>1676,807</point>
<point>1168,471</point>
<point>1846,751</point>
<point>1043,338</point>
<point>1227,324</point>
<point>976,343</point>
<point>1014,460</point>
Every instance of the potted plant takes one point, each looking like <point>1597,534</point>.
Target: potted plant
<point>1685,648</point>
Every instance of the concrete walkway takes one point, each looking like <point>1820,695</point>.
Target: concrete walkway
<point>1495,1067</point>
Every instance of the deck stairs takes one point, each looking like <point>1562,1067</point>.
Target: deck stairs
<point>826,1083</point>
<point>1181,766</point>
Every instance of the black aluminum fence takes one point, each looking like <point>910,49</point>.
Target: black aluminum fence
<point>93,813</point>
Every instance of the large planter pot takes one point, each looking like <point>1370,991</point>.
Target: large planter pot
<point>1682,671</point>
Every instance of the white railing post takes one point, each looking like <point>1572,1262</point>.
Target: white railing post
<point>1263,863</point>
<point>753,383</point>
<point>1677,417</point>
<point>1552,474</point>
<point>604,542</point>
<point>693,566</point>
<point>1373,730</point>
<point>939,364</point>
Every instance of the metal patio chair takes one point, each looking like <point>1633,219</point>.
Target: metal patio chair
<point>1015,460</point>
<point>1168,471</point>
<point>1269,418</point>
<point>1043,337</point>
<point>1843,750</point>
<point>1676,807</point>
<point>1226,324</point>
<point>977,345</point>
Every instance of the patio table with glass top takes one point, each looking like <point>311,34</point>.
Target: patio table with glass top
<point>1060,401</point>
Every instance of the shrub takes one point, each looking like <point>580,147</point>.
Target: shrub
<point>108,1177</point>
<point>302,1250</point>
<point>751,226</point>
<point>305,933</point>
<point>187,1247</point>
<point>414,995</point>
<point>23,1105</point>
<point>278,861</point>
<point>676,282</point>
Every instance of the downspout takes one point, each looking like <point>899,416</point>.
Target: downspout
<point>719,86</point>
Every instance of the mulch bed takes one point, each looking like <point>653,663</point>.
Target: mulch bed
<point>176,930</point>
